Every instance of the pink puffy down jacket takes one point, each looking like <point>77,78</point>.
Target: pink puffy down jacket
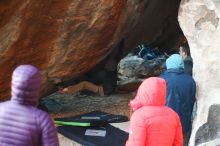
<point>152,123</point>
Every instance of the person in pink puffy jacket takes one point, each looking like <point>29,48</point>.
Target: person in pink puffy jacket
<point>152,123</point>
<point>21,123</point>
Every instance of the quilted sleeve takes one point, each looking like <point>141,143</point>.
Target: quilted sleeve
<point>137,132</point>
<point>48,130</point>
<point>178,141</point>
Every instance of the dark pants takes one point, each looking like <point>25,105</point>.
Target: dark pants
<point>186,137</point>
<point>106,78</point>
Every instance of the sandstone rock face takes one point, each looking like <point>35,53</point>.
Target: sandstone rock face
<point>199,21</point>
<point>210,130</point>
<point>67,38</point>
<point>63,38</point>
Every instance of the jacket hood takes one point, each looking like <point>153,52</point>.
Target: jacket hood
<point>152,92</point>
<point>174,61</point>
<point>26,84</point>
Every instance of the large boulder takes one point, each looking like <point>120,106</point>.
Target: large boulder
<point>134,67</point>
<point>199,21</point>
<point>67,38</point>
<point>128,66</point>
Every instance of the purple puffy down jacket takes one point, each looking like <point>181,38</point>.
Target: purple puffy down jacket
<point>21,123</point>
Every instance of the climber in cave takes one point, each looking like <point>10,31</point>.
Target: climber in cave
<point>102,79</point>
<point>181,90</point>
<point>184,51</point>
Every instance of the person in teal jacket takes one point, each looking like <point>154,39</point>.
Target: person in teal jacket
<point>181,90</point>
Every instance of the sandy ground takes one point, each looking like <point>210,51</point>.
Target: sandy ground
<point>63,105</point>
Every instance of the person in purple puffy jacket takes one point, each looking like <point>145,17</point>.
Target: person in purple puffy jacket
<point>21,123</point>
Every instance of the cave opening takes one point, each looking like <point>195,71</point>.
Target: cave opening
<point>159,30</point>
<point>162,33</point>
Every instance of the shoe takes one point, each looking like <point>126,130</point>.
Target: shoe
<point>63,90</point>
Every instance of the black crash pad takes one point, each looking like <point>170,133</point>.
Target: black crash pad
<point>113,137</point>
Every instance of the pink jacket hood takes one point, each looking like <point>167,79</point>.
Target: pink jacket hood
<point>152,92</point>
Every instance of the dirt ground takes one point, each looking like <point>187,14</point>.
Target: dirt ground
<point>64,105</point>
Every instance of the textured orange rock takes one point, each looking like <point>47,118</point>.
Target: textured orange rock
<point>67,38</point>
